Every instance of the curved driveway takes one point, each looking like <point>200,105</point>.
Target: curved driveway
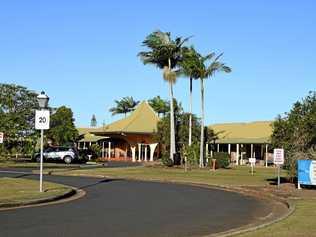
<point>118,208</point>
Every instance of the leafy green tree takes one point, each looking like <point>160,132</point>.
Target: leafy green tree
<point>165,53</point>
<point>62,128</point>
<point>296,132</point>
<point>159,105</point>
<point>124,106</point>
<point>93,122</point>
<point>17,115</point>
<point>206,67</point>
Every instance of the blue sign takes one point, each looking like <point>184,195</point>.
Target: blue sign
<point>306,172</point>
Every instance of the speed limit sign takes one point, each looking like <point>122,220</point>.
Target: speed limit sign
<point>42,119</point>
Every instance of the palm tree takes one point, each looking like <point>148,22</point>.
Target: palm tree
<point>206,70</point>
<point>165,53</point>
<point>159,105</point>
<point>189,68</point>
<point>123,106</point>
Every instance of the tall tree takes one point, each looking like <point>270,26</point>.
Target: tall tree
<point>189,69</point>
<point>62,128</point>
<point>17,113</point>
<point>165,53</point>
<point>207,67</point>
<point>159,105</point>
<point>124,106</point>
<point>93,122</point>
<point>296,132</point>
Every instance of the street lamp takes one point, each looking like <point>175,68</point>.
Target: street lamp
<point>42,120</point>
<point>42,100</point>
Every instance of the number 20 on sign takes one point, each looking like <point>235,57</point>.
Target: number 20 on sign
<point>42,119</point>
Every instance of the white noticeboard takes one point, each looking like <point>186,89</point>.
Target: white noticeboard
<point>278,156</point>
<point>42,119</point>
<point>1,137</point>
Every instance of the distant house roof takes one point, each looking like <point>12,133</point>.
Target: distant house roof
<point>142,120</point>
<point>83,131</point>
<point>234,133</point>
<point>89,137</point>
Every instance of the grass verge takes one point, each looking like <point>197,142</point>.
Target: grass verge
<point>18,191</point>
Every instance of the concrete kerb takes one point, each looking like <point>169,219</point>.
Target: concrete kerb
<point>290,206</point>
<point>71,195</point>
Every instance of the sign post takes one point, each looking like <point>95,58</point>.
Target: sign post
<point>278,159</point>
<point>252,162</point>
<point>1,137</point>
<point>41,123</point>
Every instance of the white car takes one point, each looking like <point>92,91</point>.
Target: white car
<point>68,155</point>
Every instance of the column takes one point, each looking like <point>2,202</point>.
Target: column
<point>237,154</point>
<point>145,157</point>
<point>109,150</point>
<point>152,148</point>
<point>139,151</point>
<point>266,155</point>
<point>229,148</point>
<point>133,148</point>
<point>102,149</point>
<point>217,147</point>
<point>251,151</point>
<point>84,145</point>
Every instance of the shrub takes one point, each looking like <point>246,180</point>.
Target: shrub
<point>96,150</point>
<point>192,153</point>
<point>165,159</point>
<point>222,159</point>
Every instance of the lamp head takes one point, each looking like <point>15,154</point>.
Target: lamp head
<point>42,100</point>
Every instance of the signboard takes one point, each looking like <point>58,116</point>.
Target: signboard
<point>278,156</point>
<point>252,161</point>
<point>42,119</point>
<point>306,170</point>
<point>1,137</point>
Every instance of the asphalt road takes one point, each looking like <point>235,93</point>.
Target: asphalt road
<point>121,208</point>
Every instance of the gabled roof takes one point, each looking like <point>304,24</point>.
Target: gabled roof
<point>83,131</point>
<point>89,137</point>
<point>142,120</point>
<point>253,132</point>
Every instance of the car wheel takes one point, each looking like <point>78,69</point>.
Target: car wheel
<point>38,158</point>
<point>67,159</point>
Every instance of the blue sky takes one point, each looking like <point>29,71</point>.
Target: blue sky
<point>83,53</point>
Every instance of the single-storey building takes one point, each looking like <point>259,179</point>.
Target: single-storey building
<point>130,138</point>
<point>244,140</point>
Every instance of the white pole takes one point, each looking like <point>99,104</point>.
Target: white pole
<point>229,148</point>
<point>206,152</point>
<point>251,151</point>
<point>41,165</point>
<point>266,155</point>
<point>102,149</point>
<point>145,153</point>
<point>139,151</point>
<point>109,150</point>
<point>237,154</point>
<point>218,147</point>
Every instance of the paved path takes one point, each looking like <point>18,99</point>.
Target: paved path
<point>120,208</point>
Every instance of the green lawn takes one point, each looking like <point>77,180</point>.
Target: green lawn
<point>240,176</point>
<point>301,223</point>
<point>16,190</point>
